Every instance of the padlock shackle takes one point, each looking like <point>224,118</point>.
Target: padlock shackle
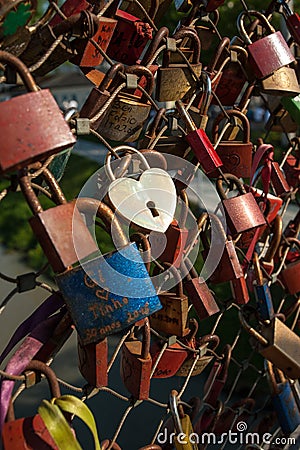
<point>257,269</point>
<point>30,195</point>
<point>241,26</point>
<point>122,148</point>
<point>110,75</point>
<point>271,377</point>
<point>225,42</point>
<point>56,192</point>
<point>161,34</point>
<point>288,242</point>
<point>208,92</point>
<point>173,403</point>
<point>74,25</point>
<point>152,129</point>
<point>185,33</point>
<point>159,156</point>
<point>146,339</point>
<point>211,339</point>
<point>185,116</point>
<point>241,51</point>
<point>21,68</point>
<point>231,113</point>
<point>276,239</point>
<point>142,71</point>
<point>250,330</point>
<point>140,238</point>
<point>184,211</point>
<point>88,205</point>
<point>235,180</point>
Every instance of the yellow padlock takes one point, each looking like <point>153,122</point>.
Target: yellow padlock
<point>184,437</point>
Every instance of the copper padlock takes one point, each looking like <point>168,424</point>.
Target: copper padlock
<point>242,212</point>
<point>57,228</point>
<point>236,155</point>
<point>172,318</point>
<point>136,363</point>
<point>93,362</point>
<point>28,135</point>
<point>167,357</point>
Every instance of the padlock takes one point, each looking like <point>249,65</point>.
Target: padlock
<point>82,25</point>
<point>199,294</point>
<point>184,437</point>
<point>167,357</point>
<point>239,411</point>
<point>213,387</point>
<point>292,105</point>
<point>291,165</point>
<point>267,262</point>
<point>200,143</point>
<point>292,229</point>
<point>174,81</point>
<point>236,155</point>
<point>290,274</point>
<point>207,33</point>
<point>170,246</point>
<point>278,344</point>
<point>262,292</point>
<point>292,20</point>
<point>99,96</point>
<point>126,115</point>
<point>278,181</point>
<point>31,432</point>
<point>129,39</point>
<point>29,135</point>
<point>282,82</point>
<point>136,364</point>
<point>85,53</point>
<point>56,227</point>
<point>96,292</point>
<point>172,318</point>
<point>69,8</point>
<point>283,400</point>
<point>268,54</point>
<point>189,367</point>
<point>242,212</point>
<point>93,362</point>
<point>233,78</point>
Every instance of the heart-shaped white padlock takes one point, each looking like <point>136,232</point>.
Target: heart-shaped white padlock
<point>149,202</point>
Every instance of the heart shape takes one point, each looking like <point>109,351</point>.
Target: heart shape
<point>156,189</point>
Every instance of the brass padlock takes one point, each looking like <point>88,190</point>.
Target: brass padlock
<point>278,344</point>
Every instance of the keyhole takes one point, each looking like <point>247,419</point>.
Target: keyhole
<point>151,206</point>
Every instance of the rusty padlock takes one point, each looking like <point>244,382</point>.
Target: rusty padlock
<point>93,362</point>
<point>55,227</point>
<point>291,164</point>
<point>236,155</point>
<point>268,54</point>
<point>172,318</point>
<point>206,27</point>
<point>130,38</point>
<point>31,432</point>
<point>290,274</point>
<point>136,364</point>
<point>277,343</point>
<point>99,96</point>
<point>174,81</point>
<point>242,212</point>
<point>126,115</point>
<point>29,135</point>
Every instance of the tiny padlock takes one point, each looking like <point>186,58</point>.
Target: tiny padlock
<point>242,212</point>
<point>278,344</point>
<point>136,364</point>
<point>28,135</point>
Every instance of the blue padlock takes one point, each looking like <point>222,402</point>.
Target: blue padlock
<point>283,399</point>
<point>111,292</point>
<point>262,293</point>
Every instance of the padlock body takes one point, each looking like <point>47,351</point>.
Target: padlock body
<point>88,55</point>
<point>282,82</point>
<point>171,360</point>
<point>28,134</point>
<point>93,104</point>
<point>264,300</point>
<point>239,290</point>
<point>292,105</point>
<point>283,349</point>
<point>135,371</point>
<point>58,230</point>
<point>125,119</point>
<point>174,82</point>
<point>230,85</point>
<point>286,408</point>
<point>279,183</point>
<point>293,24</point>
<point>93,360</point>
<point>242,213</point>
<point>201,297</point>
<point>290,277</point>
<point>201,364</point>
<point>172,318</point>
<point>292,170</point>
<point>236,157</point>
<point>204,150</point>
<point>129,39</point>
<point>98,312</point>
<point>228,267</point>
<point>269,54</point>
<point>175,238</point>
<point>27,433</point>
<point>69,8</point>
